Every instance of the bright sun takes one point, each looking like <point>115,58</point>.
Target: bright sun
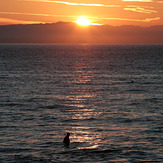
<point>83,21</point>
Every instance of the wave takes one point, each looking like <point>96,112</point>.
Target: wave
<point>12,104</point>
<point>55,106</point>
<point>89,151</point>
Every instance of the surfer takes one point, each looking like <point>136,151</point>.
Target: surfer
<point>66,140</point>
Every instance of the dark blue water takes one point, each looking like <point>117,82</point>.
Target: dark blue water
<point>109,97</point>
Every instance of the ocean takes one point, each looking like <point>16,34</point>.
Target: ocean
<point>108,97</point>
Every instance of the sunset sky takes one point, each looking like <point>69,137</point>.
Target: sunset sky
<point>110,12</point>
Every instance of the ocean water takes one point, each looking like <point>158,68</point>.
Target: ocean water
<point>109,97</point>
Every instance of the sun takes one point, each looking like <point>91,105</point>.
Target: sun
<point>83,20</point>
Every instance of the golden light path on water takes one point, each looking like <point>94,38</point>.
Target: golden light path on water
<point>82,76</point>
<point>80,103</point>
<point>81,111</point>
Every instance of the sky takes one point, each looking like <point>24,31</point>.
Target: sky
<point>105,12</point>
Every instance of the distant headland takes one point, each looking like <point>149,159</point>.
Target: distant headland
<point>67,32</point>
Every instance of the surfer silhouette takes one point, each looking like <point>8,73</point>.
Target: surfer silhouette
<point>66,140</point>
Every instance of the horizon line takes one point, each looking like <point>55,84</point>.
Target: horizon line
<point>53,23</point>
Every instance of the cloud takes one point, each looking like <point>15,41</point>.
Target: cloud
<point>74,3</point>
<point>137,20</point>
<point>5,21</point>
<point>137,0</point>
<point>139,9</point>
<point>159,2</point>
<point>149,1</point>
<point>71,16</point>
<point>70,33</point>
<point>34,14</point>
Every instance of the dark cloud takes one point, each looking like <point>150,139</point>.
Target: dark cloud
<point>62,32</point>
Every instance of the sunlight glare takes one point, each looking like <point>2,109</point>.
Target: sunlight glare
<point>83,21</point>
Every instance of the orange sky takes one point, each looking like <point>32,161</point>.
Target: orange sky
<point>111,12</point>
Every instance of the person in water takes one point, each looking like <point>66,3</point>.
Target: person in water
<point>66,140</point>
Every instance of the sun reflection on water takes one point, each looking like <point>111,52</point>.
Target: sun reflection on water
<point>80,100</point>
<point>81,94</point>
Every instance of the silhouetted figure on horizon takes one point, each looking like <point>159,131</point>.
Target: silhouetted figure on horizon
<point>66,140</point>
